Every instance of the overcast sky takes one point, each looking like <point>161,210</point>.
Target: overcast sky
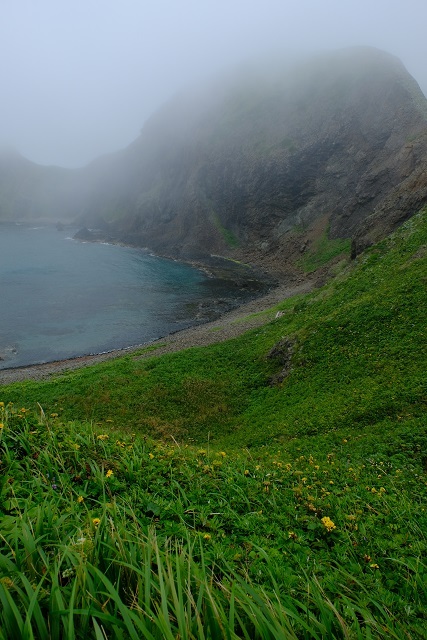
<point>80,77</point>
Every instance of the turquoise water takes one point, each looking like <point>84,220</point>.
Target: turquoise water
<point>60,298</point>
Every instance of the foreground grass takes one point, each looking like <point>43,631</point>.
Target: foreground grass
<point>110,535</point>
<point>195,496</point>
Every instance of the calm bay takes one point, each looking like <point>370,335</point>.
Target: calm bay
<point>61,298</point>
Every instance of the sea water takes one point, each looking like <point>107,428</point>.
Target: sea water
<point>61,298</point>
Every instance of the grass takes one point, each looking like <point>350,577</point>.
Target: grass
<point>227,235</point>
<point>323,250</point>
<point>188,496</point>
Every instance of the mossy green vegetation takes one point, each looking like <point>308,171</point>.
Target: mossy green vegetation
<point>192,496</point>
<point>227,235</point>
<point>323,250</point>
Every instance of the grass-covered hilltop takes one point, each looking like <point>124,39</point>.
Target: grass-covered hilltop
<point>270,486</point>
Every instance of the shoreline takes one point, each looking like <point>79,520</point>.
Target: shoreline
<point>229,325</point>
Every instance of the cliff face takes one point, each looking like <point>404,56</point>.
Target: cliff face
<point>259,164</point>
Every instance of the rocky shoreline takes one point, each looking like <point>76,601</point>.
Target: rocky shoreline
<point>229,325</point>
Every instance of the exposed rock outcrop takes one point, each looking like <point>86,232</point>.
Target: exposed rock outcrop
<point>282,354</point>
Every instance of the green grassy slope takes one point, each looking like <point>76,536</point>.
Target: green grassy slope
<point>189,496</point>
<point>358,361</point>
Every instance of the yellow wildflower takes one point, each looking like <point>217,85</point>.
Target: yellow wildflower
<point>109,473</point>
<point>1,404</point>
<point>207,536</point>
<point>7,582</point>
<point>102,436</point>
<point>96,521</point>
<point>151,456</point>
<point>292,535</point>
<point>222,453</point>
<point>246,472</point>
<point>1,425</point>
<point>374,565</point>
<point>328,524</point>
<point>80,499</point>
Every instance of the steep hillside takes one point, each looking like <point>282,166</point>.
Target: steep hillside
<point>261,165</point>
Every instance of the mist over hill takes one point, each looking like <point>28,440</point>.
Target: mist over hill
<point>256,165</point>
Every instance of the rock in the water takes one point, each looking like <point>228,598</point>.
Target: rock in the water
<point>85,234</point>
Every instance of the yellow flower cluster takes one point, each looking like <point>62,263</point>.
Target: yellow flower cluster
<point>328,524</point>
<point>102,436</point>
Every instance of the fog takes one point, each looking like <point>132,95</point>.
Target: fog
<point>80,77</point>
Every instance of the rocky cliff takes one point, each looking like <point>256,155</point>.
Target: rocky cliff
<point>262,163</point>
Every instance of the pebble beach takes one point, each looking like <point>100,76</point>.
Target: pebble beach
<point>229,325</point>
